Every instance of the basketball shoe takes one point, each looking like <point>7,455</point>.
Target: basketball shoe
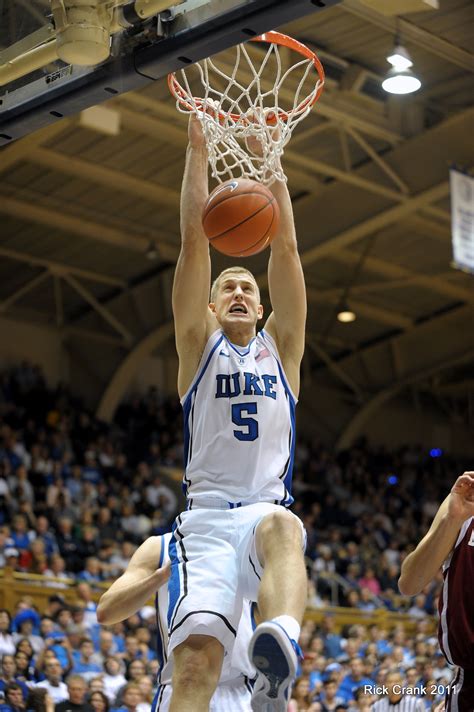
<point>275,657</point>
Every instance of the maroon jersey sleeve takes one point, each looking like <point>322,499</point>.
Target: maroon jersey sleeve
<point>456,603</point>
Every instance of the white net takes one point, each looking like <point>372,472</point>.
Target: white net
<point>248,109</point>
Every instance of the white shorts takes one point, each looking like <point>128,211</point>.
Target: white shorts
<point>226,698</point>
<point>214,565</point>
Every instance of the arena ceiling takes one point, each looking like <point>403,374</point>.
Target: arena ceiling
<point>90,222</point>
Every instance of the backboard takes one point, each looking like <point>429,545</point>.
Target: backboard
<point>144,40</point>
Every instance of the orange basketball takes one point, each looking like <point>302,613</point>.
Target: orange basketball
<point>241,217</point>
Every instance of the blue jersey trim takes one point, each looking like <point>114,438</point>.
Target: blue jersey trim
<point>289,475</point>
<point>201,373</point>
<point>162,552</point>
<point>187,404</point>
<point>253,622</point>
<point>187,439</point>
<point>159,638</point>
<point>174,586</point>
<point>289,472</point>
<point>158,698</point>
<point>235,348</point>
<point>154,704</point>
<point>270,340</point>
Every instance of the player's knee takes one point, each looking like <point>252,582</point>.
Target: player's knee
<point>197,669</point>
<point>196,677</point>
<point>280,527</point>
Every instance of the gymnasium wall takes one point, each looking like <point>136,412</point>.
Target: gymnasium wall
<point>89,367</point>
<point>399,421</point>
<point>38,344</point>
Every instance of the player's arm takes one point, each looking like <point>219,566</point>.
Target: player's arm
<point>422,565</point>
<point>140,580</point>
<point>193,270</point>
<point>287,290</point>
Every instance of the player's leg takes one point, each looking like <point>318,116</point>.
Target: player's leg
<point>283,588</point>
<point>276,557</point>
<point>197,667</point>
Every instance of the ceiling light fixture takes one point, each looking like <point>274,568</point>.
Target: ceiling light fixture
<point>345,314</point>
<point>400,79</point>
<point>400,59</point>
<point>152,251</point>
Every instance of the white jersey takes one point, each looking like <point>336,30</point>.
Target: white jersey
<point>239,424</point>
<point>236,668</point>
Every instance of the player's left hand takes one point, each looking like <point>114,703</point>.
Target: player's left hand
<point>461,499</point>
<point>253,143</point>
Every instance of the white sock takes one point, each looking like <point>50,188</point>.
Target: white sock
<point>290,625</point>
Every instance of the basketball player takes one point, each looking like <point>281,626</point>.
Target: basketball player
<point>145,576</point>
<point>450,543</point>
<point>238,389</point>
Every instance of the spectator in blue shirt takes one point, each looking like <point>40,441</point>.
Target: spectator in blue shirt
<point>15,699</point>
<point>84,666</point>
<point>20,537</point>
<point>9,676</point>
<point>44,532</point>
<point>356,679</point>
<point>332,640</point>
<point>91,572</point>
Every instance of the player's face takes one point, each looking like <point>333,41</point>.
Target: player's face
<point>237,301</point>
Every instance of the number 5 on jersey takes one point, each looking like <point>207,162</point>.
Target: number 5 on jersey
<point>240,413</point>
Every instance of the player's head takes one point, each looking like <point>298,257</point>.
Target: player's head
<point>235,298</point>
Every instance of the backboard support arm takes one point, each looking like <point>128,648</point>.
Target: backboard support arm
<point>187,37</point>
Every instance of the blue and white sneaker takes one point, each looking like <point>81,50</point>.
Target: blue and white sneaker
<point>275,657</point>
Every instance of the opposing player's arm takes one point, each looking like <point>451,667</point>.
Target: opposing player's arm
<point>193,270</point>
<point>287,290</point>
<point>422,565</point>
<point>140,580</point>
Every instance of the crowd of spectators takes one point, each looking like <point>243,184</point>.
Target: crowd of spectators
<point>77,496</point>
<point>63,660</point>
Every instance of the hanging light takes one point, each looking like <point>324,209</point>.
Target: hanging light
<point>397,82</point>
<point>152,251</point>
<point>400,79</point>
<point>399,58</point>
<point>345,314</point>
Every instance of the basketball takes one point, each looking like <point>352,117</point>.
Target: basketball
<point>241,217</point>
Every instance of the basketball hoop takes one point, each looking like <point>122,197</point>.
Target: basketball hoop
<point>257,98</point>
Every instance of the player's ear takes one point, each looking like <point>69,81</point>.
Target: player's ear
<point>260,312</point>
<point>212,307</point>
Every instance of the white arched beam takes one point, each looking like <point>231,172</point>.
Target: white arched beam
<point>122,377</point>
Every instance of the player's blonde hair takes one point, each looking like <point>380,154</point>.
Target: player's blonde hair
<point>231,270</point>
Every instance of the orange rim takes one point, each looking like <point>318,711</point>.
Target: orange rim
<point>271,38</point>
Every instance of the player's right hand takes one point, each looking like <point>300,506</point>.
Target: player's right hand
<point>195,132</point>
<point>461,498</point>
